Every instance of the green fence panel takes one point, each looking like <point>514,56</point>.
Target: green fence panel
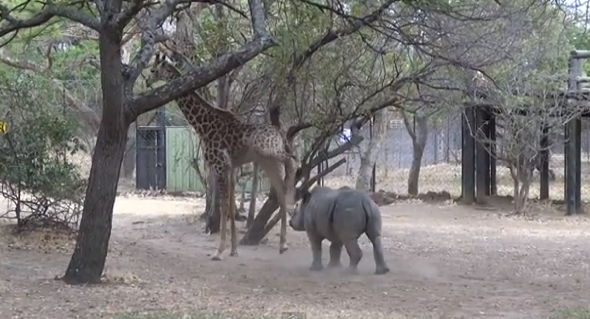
<point>181,149</point>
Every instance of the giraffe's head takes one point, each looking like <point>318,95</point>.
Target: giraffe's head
<point>162,70</point>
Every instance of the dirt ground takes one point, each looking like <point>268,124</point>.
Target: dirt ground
<point>446,261</point>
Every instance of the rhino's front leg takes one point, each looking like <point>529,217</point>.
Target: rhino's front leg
<point>316,250</point>
<point>335,252</point>
<point>354,251</point>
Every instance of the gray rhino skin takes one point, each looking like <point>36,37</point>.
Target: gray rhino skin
<point>340,216</point>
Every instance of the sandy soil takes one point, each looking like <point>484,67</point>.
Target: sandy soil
<point>447,262</point>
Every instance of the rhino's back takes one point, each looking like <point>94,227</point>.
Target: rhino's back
<point>353,212</point>
<point>317,211</point>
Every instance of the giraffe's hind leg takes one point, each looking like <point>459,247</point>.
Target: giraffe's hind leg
<point>232,215</point>
<point>223,192</point>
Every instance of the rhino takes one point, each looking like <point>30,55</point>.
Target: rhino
<point>341,216</point>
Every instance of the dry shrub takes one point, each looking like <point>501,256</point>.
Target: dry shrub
<point>39,239</point>
<point>43,188</point>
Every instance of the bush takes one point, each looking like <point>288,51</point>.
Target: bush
<point>43,187</point>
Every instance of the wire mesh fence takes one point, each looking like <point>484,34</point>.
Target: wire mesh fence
<point>440,165</point>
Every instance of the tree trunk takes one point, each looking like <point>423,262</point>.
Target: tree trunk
<point>129,159</point>
<point>263,224</point>
<point>435,145</point>
<point>363,181</point>
<point>253,194</point>
<point>369,148</point>
<point>256,233</point>
<point>521,176</point>
<point>88,259</point>
<point>419,135</point>
<point>414,176</point>
<point>242,197</point>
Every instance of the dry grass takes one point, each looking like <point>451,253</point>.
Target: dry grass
<point>46,240</point>
<point>176,315</point>
<point>578,313</point>
<point>447,262</point>
<point>447,177</point>
<point>435,178</point>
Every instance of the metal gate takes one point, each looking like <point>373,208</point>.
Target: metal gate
<point>150,158</point>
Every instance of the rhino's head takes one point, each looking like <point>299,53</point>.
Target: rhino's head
<point>297,221</point>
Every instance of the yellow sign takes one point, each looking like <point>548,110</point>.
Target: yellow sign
<point>3,127</point>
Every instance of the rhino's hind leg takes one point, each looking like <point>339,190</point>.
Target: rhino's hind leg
<point>335,252</point>
<point>381,266</point>
<point>316,250</point>
<point>356,254</point>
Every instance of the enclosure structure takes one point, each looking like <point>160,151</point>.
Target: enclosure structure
<point>150,158</point>
<point>166,158</point>
<point>478,178</point>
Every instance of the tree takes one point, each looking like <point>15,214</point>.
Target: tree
<point>120,105</point>
<point>484,41</point>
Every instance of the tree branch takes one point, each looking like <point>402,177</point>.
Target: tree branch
<point>333,35</point>
<point>127,14</point>
<point>148,38</point>
<point>258,21</point>
<point>199,77</point>
<point>295,129</point>
<point>203,75</point>
<point>300,58</point>
<point>90,116</point>
<point>50,11</point>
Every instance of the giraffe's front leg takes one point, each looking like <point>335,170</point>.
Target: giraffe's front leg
<point>288,202</point>
<point>283,241</point>
<point>272,170</point>
<point>223,192</point>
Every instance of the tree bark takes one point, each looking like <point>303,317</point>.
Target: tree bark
<point>363,181</point>
<point>261,225</point>
<point>369,148</point>
<point>253,194</point>
<point>129,158</point>
<point>88,259</point>
<point>419,135</point>
<point>256,232</point>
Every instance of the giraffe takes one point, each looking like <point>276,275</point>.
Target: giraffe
<point>229,143</point>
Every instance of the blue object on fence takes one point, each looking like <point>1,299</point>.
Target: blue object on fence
<point>344,135</point>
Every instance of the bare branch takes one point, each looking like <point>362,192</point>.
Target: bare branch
<point>258,20</point>
<point>299,59</point>
<point>90,116</point>
<point>148,38</point>
<point>127,14</point>
<point>199,76</point>
<point>51,10</point>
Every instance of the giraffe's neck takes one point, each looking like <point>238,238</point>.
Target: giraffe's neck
<point>201,115</point>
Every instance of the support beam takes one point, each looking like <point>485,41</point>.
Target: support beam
<point>482,157</point>
<point>544,189</point>
<point>468,155</point>
<point>493,163</point>
<point>162,179</point>
<point>573,144</point>
<point>572,167</point>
